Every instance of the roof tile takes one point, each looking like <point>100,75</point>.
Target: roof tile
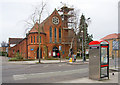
<point>111,36</point>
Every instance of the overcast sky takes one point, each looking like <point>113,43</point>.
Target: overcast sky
<point>103,14</point>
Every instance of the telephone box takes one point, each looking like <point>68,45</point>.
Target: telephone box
<point>98,59</point>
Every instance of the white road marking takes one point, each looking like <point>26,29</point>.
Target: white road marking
<point>48,74</point>
<point>59,65</point>
<point>19,77</point>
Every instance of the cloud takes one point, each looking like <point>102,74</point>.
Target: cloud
<point>103,14</point>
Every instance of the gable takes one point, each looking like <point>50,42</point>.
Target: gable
<point>47,20</point>
<point>15,40</point>
<point>35,29</point>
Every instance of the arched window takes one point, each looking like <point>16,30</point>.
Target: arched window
<point>55,35</point>
<point>40,39</point>
<point>59,34</point>
<point>37,39</point>
<point>50,34</point>
<point>31,40</point>
<point>34,39</point>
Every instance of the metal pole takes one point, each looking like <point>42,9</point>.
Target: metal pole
<point>85,40</point>
<point>60,58</point>
<point>80,44</point>
<point>62,37</point>
<point>39,48</point>
<point>60,55</point>
<point>115,59</point>
<point>83,43</point>
<point>82,50</point>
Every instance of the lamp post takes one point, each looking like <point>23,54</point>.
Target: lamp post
<point>84,29</point>
<point>82,45</point>
<point>39,47</point>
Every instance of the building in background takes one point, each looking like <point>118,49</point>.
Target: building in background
<point>4,49</point>
<point>55,37</point>
<point>114,43</point>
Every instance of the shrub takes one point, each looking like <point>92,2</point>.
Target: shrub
<point>28,59</point>
<point>67,57</point>
<point>16,59</point>
<point>79,57</point>
<point>18,56</point>
<point>52,59</point>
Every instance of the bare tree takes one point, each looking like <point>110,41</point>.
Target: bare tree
<point>75,25</point>
<point>79,25</point>
<point>35,21</point>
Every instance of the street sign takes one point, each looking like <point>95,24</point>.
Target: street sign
<point>32,49</point>
<point>50,53</point>
<point>63,52</point>
<point>60,48</point>
<point>87,51</point>
<point>115,45</point>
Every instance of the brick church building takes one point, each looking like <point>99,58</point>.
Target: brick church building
<point>55,37</point>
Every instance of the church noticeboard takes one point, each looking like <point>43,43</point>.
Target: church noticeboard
<point>32,49</point>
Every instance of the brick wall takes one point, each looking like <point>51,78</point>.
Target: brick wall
<point>29,50</point>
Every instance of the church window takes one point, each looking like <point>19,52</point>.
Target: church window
<point>50,34</point>
<point>37,39</point>
<point>55,35</point>
<point>31,39</point>
<point>59,35</point>
<point>34,39</point>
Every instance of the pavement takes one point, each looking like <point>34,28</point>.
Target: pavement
<point>78,61</point>
<point>112,79</point>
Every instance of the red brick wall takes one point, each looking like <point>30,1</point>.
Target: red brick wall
<point>25,46</point>
<point>21,47</point>
<point>32,54</point>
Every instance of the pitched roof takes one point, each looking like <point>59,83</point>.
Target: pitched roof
<point>34,29</point>
<point>111,36</point>
<point>14,40</point>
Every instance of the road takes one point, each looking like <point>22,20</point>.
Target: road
<point>41,73</point>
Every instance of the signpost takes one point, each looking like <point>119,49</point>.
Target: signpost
<point>60,49</point>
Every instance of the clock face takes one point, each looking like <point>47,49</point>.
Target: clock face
<point>55,20</point>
